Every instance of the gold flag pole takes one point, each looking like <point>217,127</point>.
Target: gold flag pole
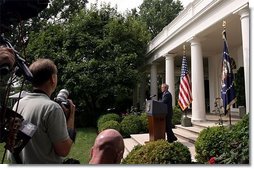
<point>185,111</point>
<point>224,29</point>
<point>184,50</point>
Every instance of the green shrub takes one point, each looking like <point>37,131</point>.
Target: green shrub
<point>237,151</point>
<point>130,124</point>
<point>130,159</point>
<point>159,152</point>
<point>111,124</point>
<point>108,117</point>
<point>177,115</point>
<point>144,122</point>
<point>211,142</point>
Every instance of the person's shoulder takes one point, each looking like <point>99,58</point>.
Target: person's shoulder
<point>54,104</point>
<point>167,92</point>
<point>45,100</point>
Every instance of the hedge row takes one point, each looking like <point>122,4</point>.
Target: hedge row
<point>224,145</point>
<point>126,125</point>
<point>131,123</point>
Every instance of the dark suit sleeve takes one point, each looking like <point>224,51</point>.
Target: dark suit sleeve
<point>167,99</point>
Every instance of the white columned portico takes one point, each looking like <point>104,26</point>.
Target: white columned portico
<point>170,75</point>
<point>154,85</point>
<point>197,77</point>
<point>244,13</point>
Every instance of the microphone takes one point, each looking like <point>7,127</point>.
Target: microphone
<point>153,96</point>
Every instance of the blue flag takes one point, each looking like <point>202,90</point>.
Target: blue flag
<point>227,81</point>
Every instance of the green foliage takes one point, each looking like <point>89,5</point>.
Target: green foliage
<point>237,150</point>
<point>211,142</point>
<point>177,115</point>
<point>225,145</point>
<point>240,87</point>
<point>157,14</point>
<point>131,124</point>
<point>97,52</point>
<point>159,152</point>
<point>57,12</point>
<point>107,117</point>
<point>111,124</point>
<point>83,144</point>
<point>144,122</point>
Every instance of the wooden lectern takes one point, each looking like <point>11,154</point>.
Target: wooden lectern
<point>156,112</point>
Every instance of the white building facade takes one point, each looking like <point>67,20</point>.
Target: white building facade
<point>199,28</point>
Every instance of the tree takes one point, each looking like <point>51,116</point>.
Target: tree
<point>58,11</point>
<point>159,13</point>
<point>56,14</point>
<point>98,53</point>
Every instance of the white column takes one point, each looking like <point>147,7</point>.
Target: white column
<point>244,13</point>
<point>212,85</point>
<point>154,85</point>
<point>214,70</point>
<point>197,77</point>
<point>142,92</point>
<point>170,75</point>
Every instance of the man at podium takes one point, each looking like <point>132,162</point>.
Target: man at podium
<point>167,99</point>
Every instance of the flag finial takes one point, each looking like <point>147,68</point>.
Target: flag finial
<point>224,30</point>
<point>224,24</point>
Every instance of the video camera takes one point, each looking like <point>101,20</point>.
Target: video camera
<point>15,131</point>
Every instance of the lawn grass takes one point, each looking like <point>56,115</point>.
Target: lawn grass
<point>84,141</point>
<point>80,150</point>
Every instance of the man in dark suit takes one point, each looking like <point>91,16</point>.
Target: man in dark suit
<point>167,99</point>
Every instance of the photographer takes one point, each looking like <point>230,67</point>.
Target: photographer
<point>55,134</point>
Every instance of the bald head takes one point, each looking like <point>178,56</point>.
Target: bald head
<point>108,148</point>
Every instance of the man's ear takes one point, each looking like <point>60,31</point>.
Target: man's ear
<point>119,157</point>
<point>53,79</point>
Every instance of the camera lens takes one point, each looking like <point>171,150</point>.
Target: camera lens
<point>62,97</point>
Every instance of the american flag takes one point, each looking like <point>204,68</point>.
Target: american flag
<point>185,96</point>
<point>227,80</point>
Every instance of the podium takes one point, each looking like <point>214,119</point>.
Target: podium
<point>156,112</point>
